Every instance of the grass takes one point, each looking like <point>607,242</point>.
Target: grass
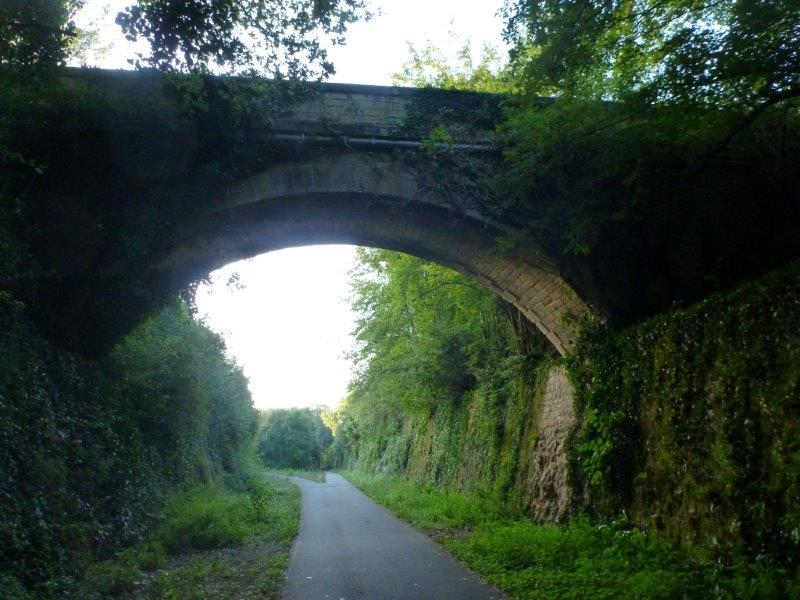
<point>578,560</point>
<point>213,542</point>
<point>255,571</point>
<point>429,508</point>
<point>318,476</point>
<point>212,516</point>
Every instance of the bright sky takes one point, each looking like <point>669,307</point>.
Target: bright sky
<point>289,326</point>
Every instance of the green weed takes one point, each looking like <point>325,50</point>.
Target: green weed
<point>427,507</point>
<point>212,516</point>
<point>579,560</point>
<point>147,556</point>
<point>207,517</point>
<point>259,522</point>
<point>11,588</point>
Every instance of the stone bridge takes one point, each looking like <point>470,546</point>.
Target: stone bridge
<point>377,166</point>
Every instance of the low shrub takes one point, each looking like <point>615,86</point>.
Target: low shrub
<point>205,518</point>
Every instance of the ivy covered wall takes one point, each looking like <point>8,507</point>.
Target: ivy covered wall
<point>690,421</point>
<point>89,450</point>
<point>486,444</point>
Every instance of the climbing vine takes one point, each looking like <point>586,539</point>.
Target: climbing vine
<point>690,421</point>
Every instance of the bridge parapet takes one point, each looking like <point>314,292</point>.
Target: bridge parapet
<point>363,113</point>
<point>392,113</point>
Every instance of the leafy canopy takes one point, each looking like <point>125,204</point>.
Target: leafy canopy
<point>425,333</point>
<point>36,32</point>
<point>294,438</point>
<point>429,67</point>
<point>709,52</point>
<point>271,37</point>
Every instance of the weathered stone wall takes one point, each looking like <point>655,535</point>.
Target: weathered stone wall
<point>516,451</point>
<point>548,480</point>
<point>690,422</point>
<point>388,112</point>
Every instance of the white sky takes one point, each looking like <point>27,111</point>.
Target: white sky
<point>289,326</point>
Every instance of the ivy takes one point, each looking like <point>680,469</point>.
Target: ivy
<point>90,449</point>
<point>689,421</point>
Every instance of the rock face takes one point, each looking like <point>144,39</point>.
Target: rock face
<point>512,447</point>
<point>548,476</point>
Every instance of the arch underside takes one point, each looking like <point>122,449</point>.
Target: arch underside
<point>373,201</point>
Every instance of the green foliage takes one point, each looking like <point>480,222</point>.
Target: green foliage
<point>113,578</point>
<point>425,333</point>
<point>428,67</point>
<point>256,574</point>
<point>89,450</point>
<point>425,506</point>
<point>36,33</point>
<point>582,560</point>
<point>680,51</point>
<point>188,380</point>
<point>13,589</point>
<point>446,382</point>
<point>266,36</point>
<point>207,518</point>
<point>576,560</point>
<point>690,422</point>
<point>244,537</point>
<point>294,438</point>
<point>213,516</point>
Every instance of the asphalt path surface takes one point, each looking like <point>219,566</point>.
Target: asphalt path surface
<point>349,548</point>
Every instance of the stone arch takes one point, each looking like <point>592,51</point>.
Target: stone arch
<point>374,199</point>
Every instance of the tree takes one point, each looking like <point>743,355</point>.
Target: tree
<point>294,438</point>
<point>36,32</point>
<point>429,67</point>
<point>270,37</point>
<point>425,332</point>
<point>709,52</point>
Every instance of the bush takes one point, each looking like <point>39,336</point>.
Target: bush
<point>578,560</point>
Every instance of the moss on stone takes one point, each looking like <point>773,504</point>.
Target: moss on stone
<point>691,421</point>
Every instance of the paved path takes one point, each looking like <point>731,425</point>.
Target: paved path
<point>349,548</point>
